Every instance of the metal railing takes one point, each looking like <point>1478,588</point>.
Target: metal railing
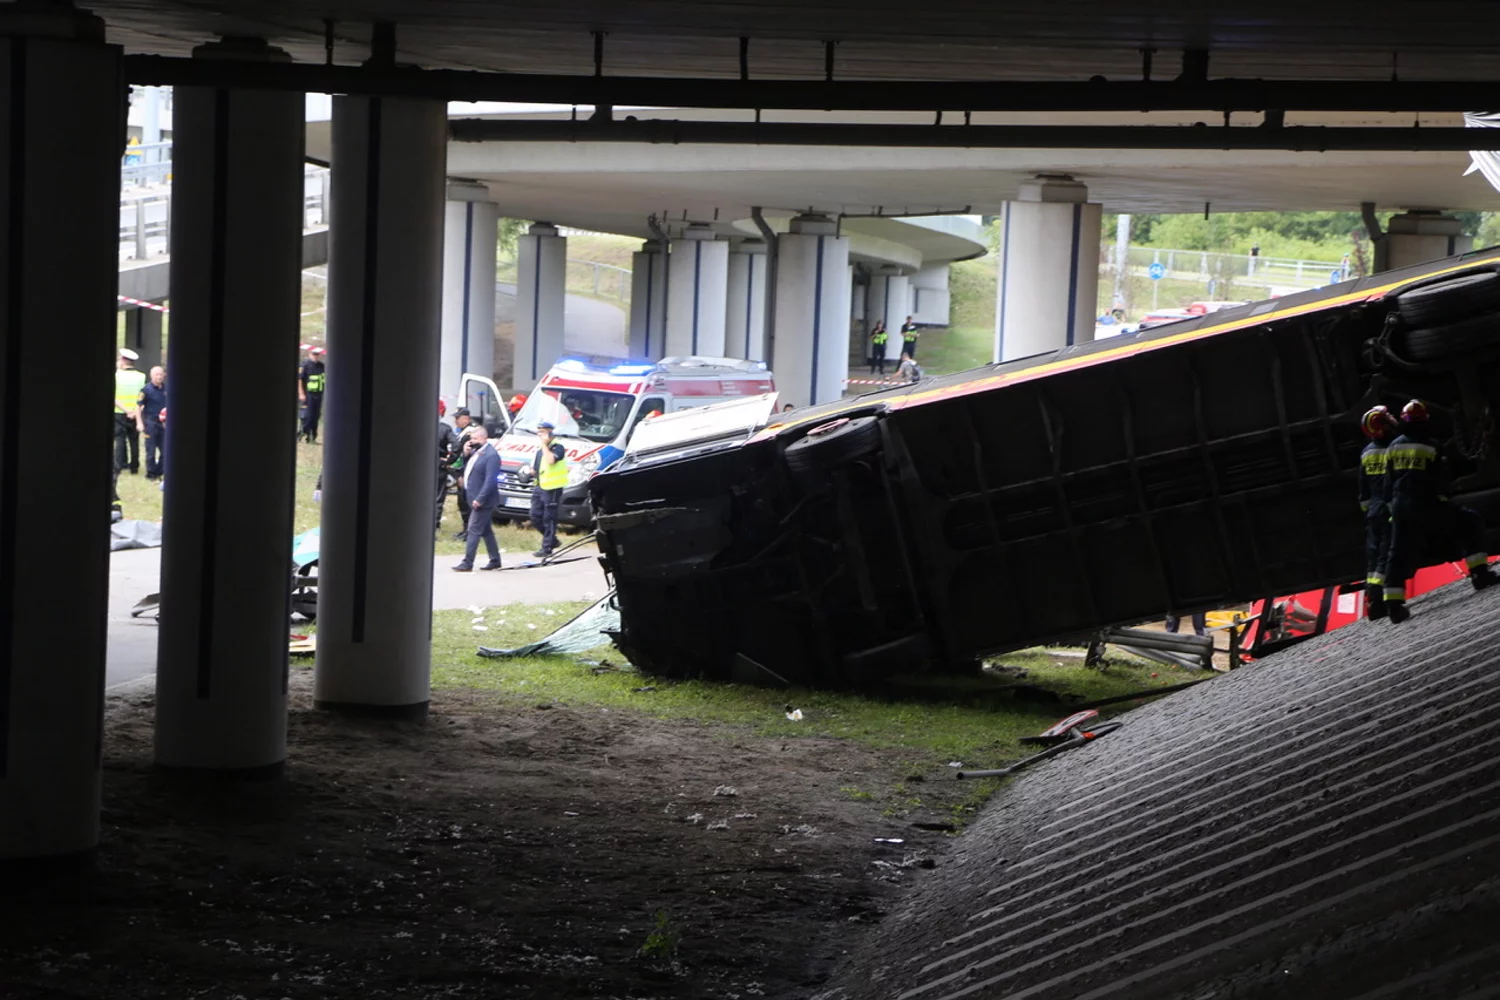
<point>1201,265</point>
<point>146,164</point>
<point>603,281</point>
<point>146,218</point>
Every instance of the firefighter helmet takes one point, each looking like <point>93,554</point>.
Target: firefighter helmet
<point>1378,423</point>
<point>1414,412</point>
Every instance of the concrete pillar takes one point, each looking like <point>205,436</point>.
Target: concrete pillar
<point>930,297</point>
<point>63,107</point>
<point>745,311</point>
<point>860,293</point>
<point>811,357</point>
<point>236,276</point>
<point>143,335</point>
<point>1049,268</point>
<point>541,291</point>
<point>384,285</point>
<point>648,302</point>
<point>1417,236</point>
<point>470,229</point>
<point>890,300</point>
<point>697,293</point>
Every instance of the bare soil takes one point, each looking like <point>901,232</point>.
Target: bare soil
<point>501,849</point>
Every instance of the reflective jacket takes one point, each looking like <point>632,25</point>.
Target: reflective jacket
<point>128,386</point>
<point>1416,469</point>
<point>1374,482</point>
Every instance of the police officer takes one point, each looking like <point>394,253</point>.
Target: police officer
<point>128,386</point>
<point>310,383</point>
<point>1420,509</point>
<point>149,408</point>
<point>550,468</point>
<point>909,334</point>
<point>1374,499</point>
<point>878,338</point>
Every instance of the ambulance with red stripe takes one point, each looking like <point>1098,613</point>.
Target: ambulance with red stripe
<point>595,404</point>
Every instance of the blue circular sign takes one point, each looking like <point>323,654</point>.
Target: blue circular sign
<point>1335,276</point>
<point>1157,270</point>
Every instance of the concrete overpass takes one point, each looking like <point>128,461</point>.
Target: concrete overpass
<point>241,69</point>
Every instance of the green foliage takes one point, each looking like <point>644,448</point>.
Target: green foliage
<point>661,944</point>
<point>511,231</point>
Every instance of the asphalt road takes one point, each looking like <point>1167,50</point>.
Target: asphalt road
<point>589,325</point>
<point>135,573</point>
<point>1322,824</point>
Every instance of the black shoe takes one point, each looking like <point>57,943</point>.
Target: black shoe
<point>542,553</point>
<point>1482,576</point>
<point>1374,602</point>
<point>493,565</point>
<point>463,568</point>
<point>1397,611</point>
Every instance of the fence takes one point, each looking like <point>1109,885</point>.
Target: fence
<point>1190,275</point>
<point>146,218</point>
<point>602,281</point>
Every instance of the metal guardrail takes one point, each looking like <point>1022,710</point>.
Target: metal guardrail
<point>607,280</point>
<point>1201,265</point>
<point>146,216</point>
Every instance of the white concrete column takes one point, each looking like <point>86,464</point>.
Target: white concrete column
<point>541,291</point>
<point>930,297</point>
<point>1049,269</point>
<point>1420,235</point>
<point>471,225</point>
<point>890,300</point>
<point>648,302</point>
<point>745,312</point>
<point>236,274</point>
<point>697,293</point>
<point>62,111</point>
<point>143,335</point>
<point>379,475</point>
<point>811,356</point>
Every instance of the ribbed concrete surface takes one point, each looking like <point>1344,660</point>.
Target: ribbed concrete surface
<point>1323,824</point>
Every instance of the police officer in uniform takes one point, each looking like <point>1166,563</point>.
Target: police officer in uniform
<point>1374,500</point>
<point>878,338</point>
<point>550,468</point>
<point>909,334</point>
<point>310,382</point>
<point>128,386</point>
<point>1420,510</point>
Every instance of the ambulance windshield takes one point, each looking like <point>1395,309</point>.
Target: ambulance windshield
<point>579,413</point>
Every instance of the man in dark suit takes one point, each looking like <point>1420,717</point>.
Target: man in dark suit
<point>480,471</point>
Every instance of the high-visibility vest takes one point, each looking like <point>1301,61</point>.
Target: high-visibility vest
<point>128,386</point>
<point>315,382</point>
<point>554,476</point>
<point>880,338</point>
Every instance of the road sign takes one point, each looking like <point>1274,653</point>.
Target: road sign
<point>1157,270</point>
<point>1335,276</point>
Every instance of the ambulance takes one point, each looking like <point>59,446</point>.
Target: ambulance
<point>595,404</point>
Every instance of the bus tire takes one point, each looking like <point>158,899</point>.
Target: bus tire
<point>834,443</point>
<point>1450,301</point>
<point>1468,336</point>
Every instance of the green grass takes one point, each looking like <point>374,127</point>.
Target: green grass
<point>142,501</point>
<point>933,720</point>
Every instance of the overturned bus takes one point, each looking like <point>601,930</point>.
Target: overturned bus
<point>1196,465</point>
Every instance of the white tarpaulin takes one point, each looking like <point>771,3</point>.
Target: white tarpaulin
<point>1485,162</point>
<point>134,535</point>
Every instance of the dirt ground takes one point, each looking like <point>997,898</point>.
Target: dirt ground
<point>500,850</point>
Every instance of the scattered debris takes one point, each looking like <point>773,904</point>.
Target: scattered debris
<point>728,790</point>
<point>694,818</point>
<point>569,812</point>
<point>889,840</point>
<point>718,824</point>
<point>302,645</point>
<point>955,763</point>
<point>936,827</point>
<point>480,628</point>
<point>644,690</point>
<point>793,714</point>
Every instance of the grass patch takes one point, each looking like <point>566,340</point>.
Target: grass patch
<point>974,719</point>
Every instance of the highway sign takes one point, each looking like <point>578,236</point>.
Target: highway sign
<point>1157,270</point>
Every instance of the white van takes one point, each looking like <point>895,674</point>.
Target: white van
<point>596,403</point>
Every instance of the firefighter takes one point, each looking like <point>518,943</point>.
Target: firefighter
<point>1374,499</point>
<point>1420,509</point>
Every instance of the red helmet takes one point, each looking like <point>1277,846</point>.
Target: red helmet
<point>1378,423</point>
<point>1414,412</point>
<point>442,406</point>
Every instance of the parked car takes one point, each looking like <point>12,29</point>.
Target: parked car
<point>1193,466</point>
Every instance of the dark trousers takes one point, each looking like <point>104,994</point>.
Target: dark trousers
<point>877,360</point>
<point>156,450</point>
<point>127,444</point>
<point>312,412</point>
<point>1449,530</point>
<point>909,348</point>
<point>1377,543</point>
<point>464,510</point>
<point>482,525</point>
<point>544,504</point>
<point>1200,623</point>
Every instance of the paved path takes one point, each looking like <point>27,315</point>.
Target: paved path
<point>136,572</point>
<point>1323,823</point>
<point>589,325</point>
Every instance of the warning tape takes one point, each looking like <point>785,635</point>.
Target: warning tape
<point>868,381</point>
<point>163,309</point>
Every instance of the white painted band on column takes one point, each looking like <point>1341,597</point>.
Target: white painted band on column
<point>236,264</point>
<point>1049,277</point>
<point>470,233</point>
<point>745,311</point>
<point>891,295</point>
<point>379,473</point>
<point>541,296</point>
<point>812,314</point>
<point>63,108</point>
<point>648,303</point>
<point>697,291</point>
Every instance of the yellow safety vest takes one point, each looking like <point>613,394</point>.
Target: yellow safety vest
<point>128,386</point>
<point>880,337</point>
<point>554,476</point>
